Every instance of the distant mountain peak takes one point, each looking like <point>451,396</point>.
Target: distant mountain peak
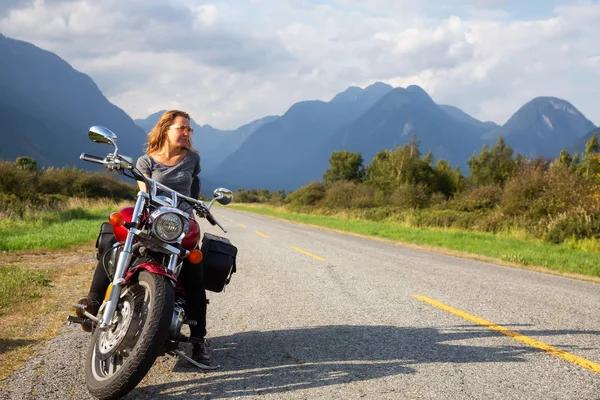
<point>557,104</point>
<point>543,126</point>
<point>353,92</point>
<point>548,108</point>
<point>420,92</point>
<point>416,89</point>
<point>400,97</point>
<point>350,93</point>
<point>379,86</point>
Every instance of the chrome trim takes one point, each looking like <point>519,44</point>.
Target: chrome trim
<point>100,134</point>
<point>184,218</point>
<point>175,196</point>
<point>122,264</point>
<point>173,263</point>
<point>156,242</point>
<point>222,195</point>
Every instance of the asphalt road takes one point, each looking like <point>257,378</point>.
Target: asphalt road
<point>313,314</point>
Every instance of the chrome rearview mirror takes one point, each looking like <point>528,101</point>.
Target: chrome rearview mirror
<point>223,196</point>
<point>100,134</point>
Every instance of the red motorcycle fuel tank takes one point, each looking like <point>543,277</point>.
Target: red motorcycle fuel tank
<point>191,239</point>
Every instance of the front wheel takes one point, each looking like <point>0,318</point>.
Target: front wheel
<point>119,358</point>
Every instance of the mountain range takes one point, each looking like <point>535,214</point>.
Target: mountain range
<point>47,107</point>
<point>293,150</point>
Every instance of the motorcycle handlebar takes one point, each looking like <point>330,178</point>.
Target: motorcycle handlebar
<point>92,158</point>
<point>204,210</point>
<point>197,204</point>
<point>211,219</point>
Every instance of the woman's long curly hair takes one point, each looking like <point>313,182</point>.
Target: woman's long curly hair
<point>158,135</point>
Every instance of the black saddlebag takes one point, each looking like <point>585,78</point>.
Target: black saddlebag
<point>106,238</point>
<point>218,261</point>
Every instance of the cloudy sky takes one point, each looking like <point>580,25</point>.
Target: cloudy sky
<point>229,62</point>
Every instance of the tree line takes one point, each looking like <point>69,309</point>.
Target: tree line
<point>551,199</point>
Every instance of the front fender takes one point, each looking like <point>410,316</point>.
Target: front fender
<point>152,267</point>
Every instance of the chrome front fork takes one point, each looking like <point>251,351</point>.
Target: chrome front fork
<point>122,264</point>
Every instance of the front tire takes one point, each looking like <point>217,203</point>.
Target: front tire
<point>118,359</point>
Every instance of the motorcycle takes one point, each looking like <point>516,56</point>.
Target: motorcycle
<point>144,308</point>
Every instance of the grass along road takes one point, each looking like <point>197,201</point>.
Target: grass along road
<point>53,230</point>
<point>30,320</point>
<point>499,248</point>
<point>46,262</point>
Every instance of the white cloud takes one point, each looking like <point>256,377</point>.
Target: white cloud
<point>208,14</point>
<point>228,62</point>
<point>594,62</point>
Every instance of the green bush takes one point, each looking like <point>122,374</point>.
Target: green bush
<point>346,195</point>
<point>437,199</point>
<point>27,163</point>
<point>339,195</point>
<point>102,185</point>
<point>572,225</point>
<point>363,196</point>
<point>553,204</point>
<point>308,195</point>
<point>447,218</point>
<point>11,204</point>
<point>17,181</point>
<point>59,180</point>
<point>243,196</point>
<point>259,196</point>
<point>485,197</point>
<point>410,196</point>
<point>522,192</point>
<point>568,191</point>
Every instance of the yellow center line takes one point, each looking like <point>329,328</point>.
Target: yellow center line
<point>242,225</point>
<point>582,362</point>
<point>307,253</point>
<point>262,234</point>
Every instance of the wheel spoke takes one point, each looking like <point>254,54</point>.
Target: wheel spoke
<point>119,358</point>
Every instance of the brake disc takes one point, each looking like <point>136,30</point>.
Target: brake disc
<point>110,341</point>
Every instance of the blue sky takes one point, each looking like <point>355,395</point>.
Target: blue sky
<point>229,62</point>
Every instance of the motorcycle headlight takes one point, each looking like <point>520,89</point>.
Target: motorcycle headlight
<point>169,225</point>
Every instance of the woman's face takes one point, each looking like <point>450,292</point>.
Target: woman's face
<point>179,133</point>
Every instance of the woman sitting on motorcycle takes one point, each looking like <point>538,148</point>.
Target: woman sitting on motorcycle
<point>171,160</point>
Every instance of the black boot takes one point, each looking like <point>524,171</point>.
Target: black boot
<point>200,352</point>
<point>91,306</point>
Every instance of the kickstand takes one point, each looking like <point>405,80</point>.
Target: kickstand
<point>201,366</point>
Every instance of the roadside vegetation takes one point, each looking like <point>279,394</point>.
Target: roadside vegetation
<point>26,190</point>
<point>49,219</point>
<point>46,209</point>
<point>77,222</point>
<point>538,212</point>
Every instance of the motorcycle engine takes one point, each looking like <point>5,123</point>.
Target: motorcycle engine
<point>176,321</point>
